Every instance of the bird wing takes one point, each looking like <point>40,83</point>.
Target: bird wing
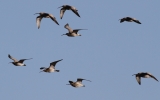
<point>70,82</point>
<point>22,60</point>
<point>53,64</point>
<point>42,68</point>
<point>76,30</point>
<point>152,76</point>
<point>138,79</point>
<point>62,11</point>
<point>68,28</point>
<point>137,21</point>
<point>75,11</point>
<point>38,21</point>
<point>80,80</point>
<point>54,19</point>
<point>15,60</point>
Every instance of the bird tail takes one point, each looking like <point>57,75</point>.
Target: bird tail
<point>57,70</point>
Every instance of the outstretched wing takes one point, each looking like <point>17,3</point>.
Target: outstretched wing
<point>54,19</point>
<point>62,11</point>
<point>15,60</point>
<point>42,68</point>
<point>80,80</point>
<point>138,79</point>
<point>70,82</point>
<point>38,21</point>
<point>68,28</point>
<point>76,30</point>
<point>22,60</point>
<point>53,64</point>
<point>152,76</point>
<point>75,11</point>
<point>137,21</point>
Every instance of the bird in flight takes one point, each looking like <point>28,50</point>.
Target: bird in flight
<point>71,32</point>
<point>44,15</point>
<point>51,68</point>
<point>129,19</point>
<point>144,75</point>
<point>78,83</point>
<point>67,7</point>
<point>17,62</point>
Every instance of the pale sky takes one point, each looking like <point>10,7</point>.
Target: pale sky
<point>108,53</point>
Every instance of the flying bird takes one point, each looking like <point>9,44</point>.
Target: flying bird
<point>51,68</point>
<point>68,7</point>
<point>78,83</point>
<point>144,75</point>
<point>44,15</point>
<point>16,62</point>
<point>72,33</point>
<point>129,19</point>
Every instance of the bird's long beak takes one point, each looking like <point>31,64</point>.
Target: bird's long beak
<point>68,84</point>
<point>9,62</point>
<point>59,7</point>
<point>89,80</point>
<point>133,74</point>
<point>63,34</point>
<point>36,13</point>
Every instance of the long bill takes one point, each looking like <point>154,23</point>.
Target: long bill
<point>36,13</point>
<point>63,34</point>
<point>133,74</point>
<point>59,7</point>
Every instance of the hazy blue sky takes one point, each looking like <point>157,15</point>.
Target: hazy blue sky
<point>108,53</point>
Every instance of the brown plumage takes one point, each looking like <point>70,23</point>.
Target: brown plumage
<point>78,83</point>
<point>144,75</point>
<point>129,19</point>
<point>44,15</point>
<point>68,7</point>
<point>18,62</point>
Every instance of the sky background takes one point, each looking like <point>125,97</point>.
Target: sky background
<point>108,53</point>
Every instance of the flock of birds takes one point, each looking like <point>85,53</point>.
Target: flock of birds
<point>73,33</point>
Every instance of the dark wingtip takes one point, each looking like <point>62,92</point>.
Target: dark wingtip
<point>57,70</point>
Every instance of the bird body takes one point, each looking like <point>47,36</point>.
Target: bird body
<point>78,83</point>
<point>129,19</point>
<point>144,75</point>
<point>44,15</point>
<point>16,62</point>
<point>71,32</point>
<point>68,7</point>
<point>51,68</point>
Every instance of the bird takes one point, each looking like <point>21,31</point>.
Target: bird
<point>144,75</point>
<point>129,19</point>
<point>51,68</point>
<point>72,33</point>
<point>68,7</point>
<point>44,15</point>
<point>78,83</point>
<point>16,62</point>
